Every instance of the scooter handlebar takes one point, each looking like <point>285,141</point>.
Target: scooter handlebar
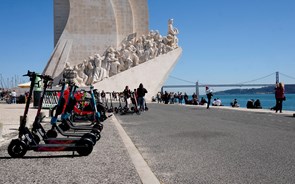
<point>29,73</point>
<point>45,77</point>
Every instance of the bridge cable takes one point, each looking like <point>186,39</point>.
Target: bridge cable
<point>182,79</point>
<point>287,76</point>
<point>237,83</point>
<point>257,79</point>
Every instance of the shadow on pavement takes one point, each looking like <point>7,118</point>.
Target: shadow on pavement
<point>48,156</point>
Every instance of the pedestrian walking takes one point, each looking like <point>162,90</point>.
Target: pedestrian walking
<point>280,96</point>
<point>13,97</point>
<point>209,94</point>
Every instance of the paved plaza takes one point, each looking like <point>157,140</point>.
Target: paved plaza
<point>180,144</point>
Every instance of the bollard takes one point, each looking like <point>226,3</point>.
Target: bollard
<point>1,128</point>
<point>21,118</point>
<point>50,113</point>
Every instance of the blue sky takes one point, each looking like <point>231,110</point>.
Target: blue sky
<point>223,41</point>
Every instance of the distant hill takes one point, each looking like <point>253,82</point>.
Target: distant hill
<point>264,90</point>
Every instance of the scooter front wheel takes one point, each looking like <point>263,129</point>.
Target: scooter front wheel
<point>96,133</point>
<point>98,126</point>
<point>17,148</point>
<point>91,137</point>
<point>85,147</point>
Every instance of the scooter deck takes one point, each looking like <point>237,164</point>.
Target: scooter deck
<point>56,147</point>
<point>61,140</point>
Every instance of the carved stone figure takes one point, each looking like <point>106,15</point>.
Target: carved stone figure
<point>172,32</point>
<point>67,66</point>
<point>110,58</point>
<point>89,70</point>
<point>148,53</point>
<point>112,62</point>
<point>114,67</point>
<point>133,56</point>
<point>99,72</point>
<point>80,72</point>
<point>79,80</point>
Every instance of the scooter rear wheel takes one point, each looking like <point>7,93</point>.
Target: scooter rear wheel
<point>17,148</point>
<point>137,112</point>
<point>85,147</point>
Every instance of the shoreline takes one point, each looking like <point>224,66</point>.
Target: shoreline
<point>285,112</point>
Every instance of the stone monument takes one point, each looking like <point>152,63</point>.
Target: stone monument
<point>108,44</point>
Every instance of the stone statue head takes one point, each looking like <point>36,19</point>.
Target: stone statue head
<point>111,49</point>
<point>91,58</point>
<point>67,65</point>
<point>96,56</point>
<point>170,21</point>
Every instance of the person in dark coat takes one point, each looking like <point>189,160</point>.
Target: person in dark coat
<point>209,94</point>
<point>141,91</point>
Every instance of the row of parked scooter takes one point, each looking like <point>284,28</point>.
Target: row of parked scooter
<point>125,105</point>
<point>64,135</point>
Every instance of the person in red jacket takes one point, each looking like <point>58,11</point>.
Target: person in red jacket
<point>280,96</point>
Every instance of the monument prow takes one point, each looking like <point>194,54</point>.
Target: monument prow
<point>107,44</point>
<point>152,74</point>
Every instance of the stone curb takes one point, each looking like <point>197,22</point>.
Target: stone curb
<point>145,173</point>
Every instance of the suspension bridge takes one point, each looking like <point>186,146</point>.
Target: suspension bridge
<point>250,83</point>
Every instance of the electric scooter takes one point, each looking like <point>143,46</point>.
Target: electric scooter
<point>52,133</point>
<point>66,120</point>
<point>25,141</point>
<point>119,108</point>
<point>39,130</point>
<point>133,109</point>
<point>84,109</point>
<point>111,109</point>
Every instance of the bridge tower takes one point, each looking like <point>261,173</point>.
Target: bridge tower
<point>197,89</point>
<point>277,77</point>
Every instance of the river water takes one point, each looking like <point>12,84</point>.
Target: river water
<point>267,100</point>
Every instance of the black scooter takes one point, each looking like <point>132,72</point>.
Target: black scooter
<point>133,109</point>
<point>120,107</point>
<point>38,130</point>
<point>111,109</point>
<point>52,133</point>
<point>25,141</point>
<point>67,124</point>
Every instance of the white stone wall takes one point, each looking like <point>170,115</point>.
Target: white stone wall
<point>92,26</point>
